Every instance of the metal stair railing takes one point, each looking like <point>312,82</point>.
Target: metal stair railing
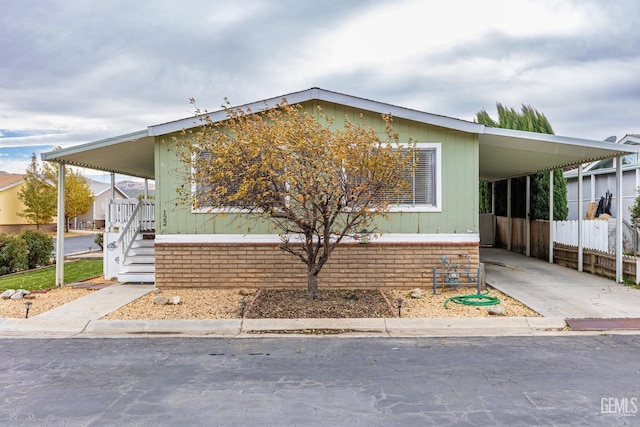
<point>142,219</point>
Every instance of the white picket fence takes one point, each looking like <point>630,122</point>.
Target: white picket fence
<point>595,234</point>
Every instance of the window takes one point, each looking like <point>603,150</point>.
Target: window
<point>425,190</point>
<point>202,187</point>
<point>424,194</point>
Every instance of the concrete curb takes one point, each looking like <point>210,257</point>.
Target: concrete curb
<point>388,327</point>
<point>252,328</point>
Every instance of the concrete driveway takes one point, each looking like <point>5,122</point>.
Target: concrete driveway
<point>556,291</point>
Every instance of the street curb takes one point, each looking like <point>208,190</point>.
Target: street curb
<point>244,328</point>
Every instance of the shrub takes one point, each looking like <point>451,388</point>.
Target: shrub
<point>635,209</point>
<point>99,240</point>
<point>14,254</point>
<point>40,247</point>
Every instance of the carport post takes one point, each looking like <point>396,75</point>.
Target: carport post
<point>619,275</point>
<point>551,233</point>
<point>113,185</point>
<point>60,230</point>
<point>527,236</point>
<point>580,218</point>
<point>509,229</point>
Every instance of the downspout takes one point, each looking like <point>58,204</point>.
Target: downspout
<point>60,230</point>
<point>113,185</point>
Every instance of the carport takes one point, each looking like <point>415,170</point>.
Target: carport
<point>503,154</point>
<point>557,291</point>
<point>507,154</point>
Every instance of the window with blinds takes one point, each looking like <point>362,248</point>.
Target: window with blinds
<point>202,190</point>
<point>423,180</point>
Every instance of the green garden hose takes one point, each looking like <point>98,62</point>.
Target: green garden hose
<point>474,299</point>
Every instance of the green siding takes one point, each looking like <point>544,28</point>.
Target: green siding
<point>459,184</point>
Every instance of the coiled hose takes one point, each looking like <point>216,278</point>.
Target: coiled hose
<point>474,299</point>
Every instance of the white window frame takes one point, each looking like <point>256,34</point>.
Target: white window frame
<point>437,207</point>
<point>210,209</point>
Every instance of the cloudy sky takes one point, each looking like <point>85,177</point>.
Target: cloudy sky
<point>76,71</point>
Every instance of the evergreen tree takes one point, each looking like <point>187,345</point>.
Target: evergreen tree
<point>529,119</point>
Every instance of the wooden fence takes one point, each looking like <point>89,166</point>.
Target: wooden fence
<point>539,236</point>
<point>595,261</point>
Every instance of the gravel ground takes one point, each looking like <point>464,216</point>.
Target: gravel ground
<point>42,301</point>
<point>227,304</point>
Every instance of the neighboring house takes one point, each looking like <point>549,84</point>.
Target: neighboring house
<point>599,177</point>
<point>11,205</point>
<point>193,248</point>
<point>94,218</point>
<point>136,190</point>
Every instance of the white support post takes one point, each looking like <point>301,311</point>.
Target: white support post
<point>60,230</point>
<point>551,233</point>
<point>619,275</point>
<point>580,219</point>
<point>113,185</point>
<point>509,229</point>
<point>146,188</point>
<point>527,237</point>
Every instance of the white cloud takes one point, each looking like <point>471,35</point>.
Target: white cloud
<point>91,70</point>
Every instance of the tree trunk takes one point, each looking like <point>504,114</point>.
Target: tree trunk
<point>312,284</point>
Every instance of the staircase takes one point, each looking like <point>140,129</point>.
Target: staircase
<point>130,253</point>
<point>139,263</point>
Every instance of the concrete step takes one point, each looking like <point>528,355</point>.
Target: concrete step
<point>142,243</point>
<point>136,278</point>
<point>138,268</point>
<point>141,252</point>
<point>140,259</point>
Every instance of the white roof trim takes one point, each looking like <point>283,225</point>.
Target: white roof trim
<point>544,137</point>
<point>328,96</point>
<point>53,155</point>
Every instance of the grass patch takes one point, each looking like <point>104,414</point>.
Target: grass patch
<point>45,278</point>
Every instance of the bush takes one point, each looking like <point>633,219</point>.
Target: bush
<point>14,254</point>
<point>99,240</point>
<point>635,209</point>
<point>40,247</point>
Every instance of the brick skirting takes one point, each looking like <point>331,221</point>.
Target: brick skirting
<point>263,265</point>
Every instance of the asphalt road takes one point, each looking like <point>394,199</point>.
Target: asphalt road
<point>321,381</point>
<point>75,244</point>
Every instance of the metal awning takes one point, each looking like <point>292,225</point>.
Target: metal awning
<point>131,154</point>
<point>506,153</point>
<point>503,153</point>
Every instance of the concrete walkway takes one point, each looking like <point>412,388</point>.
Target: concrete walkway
<point>74,317</point>
<point>556,291</point>
<point>553,291</point>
